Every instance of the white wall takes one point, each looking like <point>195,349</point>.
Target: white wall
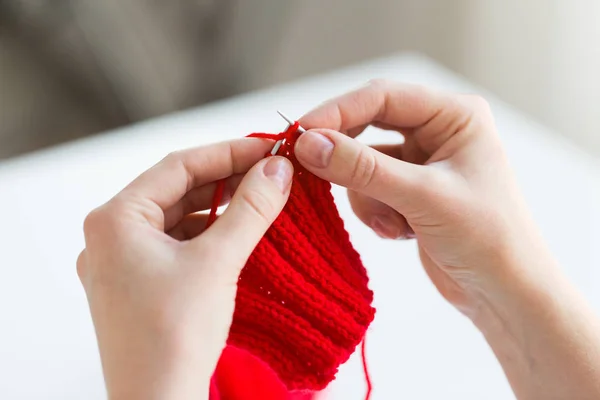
<point>542,56</point>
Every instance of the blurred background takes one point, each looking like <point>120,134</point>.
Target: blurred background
<point>74,68</point>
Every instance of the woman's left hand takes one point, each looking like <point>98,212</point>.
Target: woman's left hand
<point>161,291</point>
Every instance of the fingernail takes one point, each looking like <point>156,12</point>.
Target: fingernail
<point>279,171</point>
<point>384,228</point>
<point>314,148</point>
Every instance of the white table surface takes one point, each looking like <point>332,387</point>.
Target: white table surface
<point>418,346</point>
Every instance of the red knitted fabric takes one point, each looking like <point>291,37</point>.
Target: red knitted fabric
<point>303,302</point>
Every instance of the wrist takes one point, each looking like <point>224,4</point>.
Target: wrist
<point>519,285</point>
<point>518,276</point>
<point>155,368</point>
<point>157,383</point>
<point>542,331</point>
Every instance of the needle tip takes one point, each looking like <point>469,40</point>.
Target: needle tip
<point>289,121</point>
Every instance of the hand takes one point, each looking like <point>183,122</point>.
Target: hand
<point>161,291</point>
<point>450,185</point>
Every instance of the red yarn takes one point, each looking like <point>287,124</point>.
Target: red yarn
<point>241,376</point>
<point>303,302</point>
<point>287,134</point>
<point>365,368</point>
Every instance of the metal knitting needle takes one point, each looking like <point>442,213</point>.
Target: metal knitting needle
<point>276,147</point>
<point>290,122</point>
<point>280,142</point>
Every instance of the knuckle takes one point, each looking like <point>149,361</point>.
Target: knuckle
<point>434,182</point>
<point>378,82</point>
<point>478,103</point>
<point>429,183</point>
<point>259,204</point>
<point>477,112</point>
<point>81,266</point>
<point>174,156</point>
<point>365,167</point>
<point>94,220</point>
<point>180,159</point>
<point>104,219</point>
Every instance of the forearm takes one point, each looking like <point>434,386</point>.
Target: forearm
<point>543,332</point>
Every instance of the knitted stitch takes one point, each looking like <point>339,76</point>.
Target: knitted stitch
<point>303,302</point>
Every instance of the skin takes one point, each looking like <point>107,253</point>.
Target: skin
<point>161,290</point>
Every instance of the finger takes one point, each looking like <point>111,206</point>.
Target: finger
<point>163,185</point>
<point>386,222</point>
<point>397,104</point>
<point>392,150</point>
<point>189,227</point>
<point>432,116</point>
<point>407,151</point>
<point>357,130</point>
<point>354,132</point>
<point>199,199</point>
<point>347,162</point>
<point>255,205</point>
<point>189,224</point>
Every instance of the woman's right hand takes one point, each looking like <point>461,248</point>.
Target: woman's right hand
<point>450,186</point>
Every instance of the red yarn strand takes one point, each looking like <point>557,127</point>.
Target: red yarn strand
<point>218,195</point>
<point>365,368</point>
<point>261,135</point>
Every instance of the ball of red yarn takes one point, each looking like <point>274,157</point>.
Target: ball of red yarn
<point>241,376</point>
<point>303,302</point>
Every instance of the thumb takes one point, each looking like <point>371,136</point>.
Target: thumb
<point>256,203</point>
<point>344,161</point>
